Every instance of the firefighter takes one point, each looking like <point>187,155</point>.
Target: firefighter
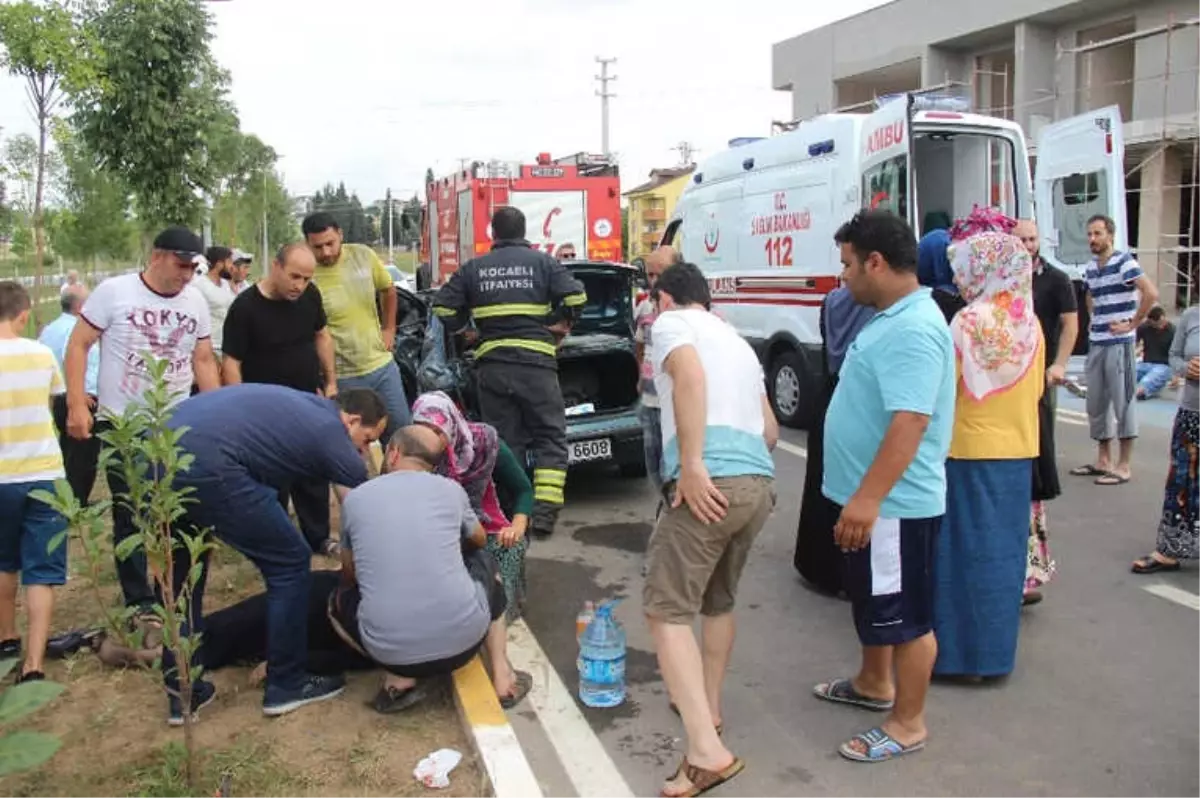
<point>515,296</point>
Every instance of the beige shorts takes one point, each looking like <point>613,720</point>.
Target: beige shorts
<point>696,568</point>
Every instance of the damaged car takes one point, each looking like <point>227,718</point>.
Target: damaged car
<point>597,366</point>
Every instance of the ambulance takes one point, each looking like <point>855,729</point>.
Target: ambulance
<point>759,218</point>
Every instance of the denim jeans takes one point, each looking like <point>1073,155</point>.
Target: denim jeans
<point>390,386</point>
<point>247,515</point>
<point>1152,378</point>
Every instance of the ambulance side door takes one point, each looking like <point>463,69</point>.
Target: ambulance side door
<point>1080,173</point>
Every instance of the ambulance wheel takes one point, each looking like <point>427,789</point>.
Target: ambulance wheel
<point>789,389</point>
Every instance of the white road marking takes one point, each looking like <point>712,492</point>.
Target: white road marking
<point>505,761</point>
<point>1174,594</point>
<point>583,756</point>
<point>792,448</point>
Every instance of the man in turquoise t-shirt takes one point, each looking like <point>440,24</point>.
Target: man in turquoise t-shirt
<point>887,434</point>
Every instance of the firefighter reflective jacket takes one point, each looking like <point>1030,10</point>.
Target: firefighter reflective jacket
<point>512,294</point>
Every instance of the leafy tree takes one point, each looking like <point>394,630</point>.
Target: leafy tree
<point>96,221</point>
<point>346,208</point>
<point>149,117</point>
<point>44,47</point>
<point>410,220</point>
<point>428,176</point>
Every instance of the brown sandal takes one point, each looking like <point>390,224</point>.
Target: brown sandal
<point>703,780</point>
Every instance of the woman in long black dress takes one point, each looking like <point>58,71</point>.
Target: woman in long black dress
<point>817,558</point>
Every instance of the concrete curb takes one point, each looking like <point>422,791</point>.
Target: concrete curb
<point>495,741</point>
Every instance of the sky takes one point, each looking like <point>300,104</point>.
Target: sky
<point>372,92</point>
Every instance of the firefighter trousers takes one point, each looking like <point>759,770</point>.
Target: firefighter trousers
<point>525,405</point>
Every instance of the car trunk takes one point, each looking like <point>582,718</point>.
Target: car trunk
<point>596,363</point>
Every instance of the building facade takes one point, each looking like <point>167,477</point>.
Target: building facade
<point>651,205</point>
<point>1035,62</point>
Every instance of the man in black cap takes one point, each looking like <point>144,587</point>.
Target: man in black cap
<point>154,312</point>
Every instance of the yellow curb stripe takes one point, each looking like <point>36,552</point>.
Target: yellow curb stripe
<point>496,742</point>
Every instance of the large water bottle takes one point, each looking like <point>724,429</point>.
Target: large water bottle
<point>601,660</point>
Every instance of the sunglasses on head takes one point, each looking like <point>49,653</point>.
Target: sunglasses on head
<point>187,258</point>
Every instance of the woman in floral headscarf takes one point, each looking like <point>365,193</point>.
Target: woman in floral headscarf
<point>981,551</point>
<point>494,480</point>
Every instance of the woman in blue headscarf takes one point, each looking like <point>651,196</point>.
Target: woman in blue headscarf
<point>934,272</point>
<point>817,557</point>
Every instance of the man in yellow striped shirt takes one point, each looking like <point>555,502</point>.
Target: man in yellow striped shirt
<point>30,460</point>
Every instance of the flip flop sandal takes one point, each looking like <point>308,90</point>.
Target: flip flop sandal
<point>521,689</point>
<point>1088,470</point>
<point>703,780</point>
<point>841,691</point>
<point>1150,565</point>
<point>880,747</point>
<point>390,701</point>
<point>1107,480</point>
<point>675,709</point>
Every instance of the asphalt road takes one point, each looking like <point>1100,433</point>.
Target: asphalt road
<point>1104,700</point>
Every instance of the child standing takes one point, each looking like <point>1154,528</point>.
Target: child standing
<point>30,460</point>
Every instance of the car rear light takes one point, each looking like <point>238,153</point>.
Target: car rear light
<point>1108,143</point>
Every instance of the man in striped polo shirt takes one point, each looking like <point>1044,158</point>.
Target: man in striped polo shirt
<point>1119,297</point>
<point>30,460</point>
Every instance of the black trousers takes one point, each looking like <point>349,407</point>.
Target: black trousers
<point>525,405</point>
<point>817,557</point>
<point>237,635</point>
<point>131,572</point>
<point>80,458</point>
<point>310,499</point>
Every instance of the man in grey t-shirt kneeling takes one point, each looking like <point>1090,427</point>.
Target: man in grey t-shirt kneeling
<point>419,595</point>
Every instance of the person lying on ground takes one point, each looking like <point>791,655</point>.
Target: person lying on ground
<point>403,546</point>
<point>249,441</point>
<point>237,636</point>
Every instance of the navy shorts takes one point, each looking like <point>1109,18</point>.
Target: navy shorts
<point>26,528</point>
<point>890,582</point>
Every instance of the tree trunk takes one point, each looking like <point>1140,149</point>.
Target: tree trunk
<point>39,232</point>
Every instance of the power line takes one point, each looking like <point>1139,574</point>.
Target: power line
<point>605,95</point>
<point>686,153</point>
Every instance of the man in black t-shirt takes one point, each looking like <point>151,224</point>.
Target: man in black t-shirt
<point>275,333</point>
<point>1155,336</point>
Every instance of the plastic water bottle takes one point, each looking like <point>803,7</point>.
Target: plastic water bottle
<point>584,618</point>
<point>601,660</point>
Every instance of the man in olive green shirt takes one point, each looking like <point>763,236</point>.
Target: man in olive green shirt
<point>350,278</point>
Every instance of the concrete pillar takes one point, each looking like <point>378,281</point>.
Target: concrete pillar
<point>1034,54</point>
<point>1158,221</point>
<point>938,66</point>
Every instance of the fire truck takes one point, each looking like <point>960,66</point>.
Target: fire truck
<point>568,202</point>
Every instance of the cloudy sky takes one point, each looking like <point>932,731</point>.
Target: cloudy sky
<point>373,91</point>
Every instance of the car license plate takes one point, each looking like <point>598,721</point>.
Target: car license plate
<point>584,451</point>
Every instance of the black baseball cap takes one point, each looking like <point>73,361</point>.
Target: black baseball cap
<point>182,241</point>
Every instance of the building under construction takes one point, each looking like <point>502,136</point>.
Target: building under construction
<point>1036,62</point>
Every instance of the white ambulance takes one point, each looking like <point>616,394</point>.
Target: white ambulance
<point>759,218</point>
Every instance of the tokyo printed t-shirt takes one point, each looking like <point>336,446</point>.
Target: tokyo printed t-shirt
<point>134,321</point>
<point>29,376</point>
<point>644,318</point>
<point>901,361</point>
<point>348,289</point>
<point>734,388</point>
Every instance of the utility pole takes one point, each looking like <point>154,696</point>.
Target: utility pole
<point>391,251</point>
<point>605,95</point>
<point>686,152</point>
<point>266,239</point>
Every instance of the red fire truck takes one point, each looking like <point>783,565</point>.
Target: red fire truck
<point>573,201</point>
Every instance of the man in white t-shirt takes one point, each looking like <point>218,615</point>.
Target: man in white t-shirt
<point>215,288</point>
<point>155,313</point>
<point>239,271</point>
<point>718,431</point>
